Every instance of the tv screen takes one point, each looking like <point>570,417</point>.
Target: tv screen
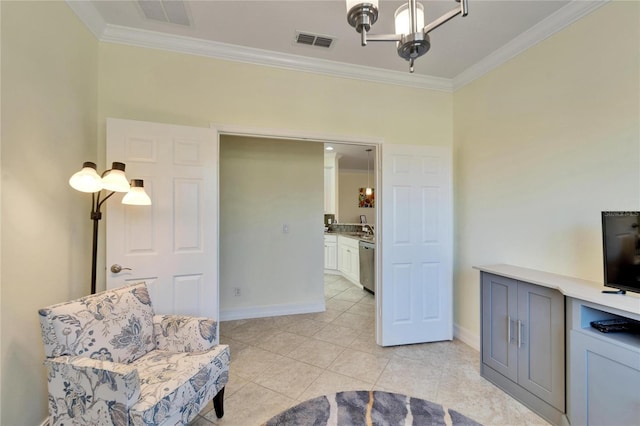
<point>621,250</point>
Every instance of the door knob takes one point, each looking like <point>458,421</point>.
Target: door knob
<point>115,268</point>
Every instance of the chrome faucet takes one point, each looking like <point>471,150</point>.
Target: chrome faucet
<point>367,229</point>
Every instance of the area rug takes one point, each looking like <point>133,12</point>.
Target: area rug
<point>360,408</point>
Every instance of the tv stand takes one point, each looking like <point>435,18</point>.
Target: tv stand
<point>601,367</point>
<point>614,292</point>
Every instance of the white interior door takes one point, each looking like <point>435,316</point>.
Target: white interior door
<point>417,248</point>
<point>172,244</point>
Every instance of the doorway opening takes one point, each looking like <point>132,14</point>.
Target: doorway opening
<point>258,252</point>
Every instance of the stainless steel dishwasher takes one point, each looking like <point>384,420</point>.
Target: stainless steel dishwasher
<point>367,252</point>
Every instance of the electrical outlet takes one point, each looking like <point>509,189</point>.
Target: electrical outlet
<point>236,291</point>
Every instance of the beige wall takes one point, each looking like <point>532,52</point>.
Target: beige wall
<point>266,184</point>
<point>152,85</point>
<point>543,144</point>
<point>49,112</point>
<point>349,184</point>
<point>159,86</point>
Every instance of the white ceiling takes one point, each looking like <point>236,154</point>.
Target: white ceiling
<point>271,25</point>
<point>263,31</point>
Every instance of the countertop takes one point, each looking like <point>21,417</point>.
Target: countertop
<point>576,288</point>
<point>353,235</point>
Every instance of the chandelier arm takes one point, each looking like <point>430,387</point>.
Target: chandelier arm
<point>462,10</point>
<point>441,20</point>
<point>384,37</point>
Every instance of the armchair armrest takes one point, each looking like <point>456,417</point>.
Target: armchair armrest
<point>80,387</point>
<point>178,333</point>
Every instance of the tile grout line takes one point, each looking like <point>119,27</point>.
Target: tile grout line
<point>449,354</point>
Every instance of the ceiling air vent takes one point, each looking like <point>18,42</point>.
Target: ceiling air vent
<point>309,39</point>
<point>170,11</point>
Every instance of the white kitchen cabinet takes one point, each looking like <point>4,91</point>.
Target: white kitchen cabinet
<point>330,252</point>
<point>349,258</point>
<point>330,184</point>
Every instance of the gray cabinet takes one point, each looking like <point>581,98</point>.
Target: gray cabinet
<point>604,368</point>
<point>523,343</point>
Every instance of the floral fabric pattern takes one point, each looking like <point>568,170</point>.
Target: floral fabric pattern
<point>184,334</point>
<point>118,321</point>
<point>193,377</point>
<point>111,361</point>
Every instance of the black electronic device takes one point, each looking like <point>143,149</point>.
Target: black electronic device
<point>621,250</point>
<point>617,324</point>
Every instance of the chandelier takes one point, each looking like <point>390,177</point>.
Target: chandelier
<point>412,36</point>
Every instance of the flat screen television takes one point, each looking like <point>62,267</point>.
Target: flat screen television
<point>621,250</point>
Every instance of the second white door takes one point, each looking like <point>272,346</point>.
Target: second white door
<point>416,289</point>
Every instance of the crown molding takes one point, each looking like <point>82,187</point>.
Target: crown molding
<point>555,22</point>
<point>230,52</point>
<point>104,32</point>
<point>89,15</point>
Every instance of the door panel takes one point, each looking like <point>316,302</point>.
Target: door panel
<point>416,285</point>
<point>172,244</point>
<point>541,355</point>
<point>499,322</point>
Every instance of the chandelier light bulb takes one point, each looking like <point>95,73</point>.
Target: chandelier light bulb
<point>403,22</point>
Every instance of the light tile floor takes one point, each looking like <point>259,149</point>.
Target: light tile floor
<point>278,362</point>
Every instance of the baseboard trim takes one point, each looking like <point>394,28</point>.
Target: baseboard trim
<point>271,311</point>
<point>466,336</point>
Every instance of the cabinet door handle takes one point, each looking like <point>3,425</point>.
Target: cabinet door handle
<point>520,325</point>
<point>508,329</point>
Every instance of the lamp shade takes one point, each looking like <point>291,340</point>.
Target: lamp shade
<point>87,179</point>
<point>403,24</point>
<point>136,195</point>
<point>115,179</point>
<point>351,3</point>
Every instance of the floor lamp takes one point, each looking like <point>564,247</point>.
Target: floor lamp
<point>112,181</point>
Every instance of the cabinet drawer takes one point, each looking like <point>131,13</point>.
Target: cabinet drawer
<point>330,238</point>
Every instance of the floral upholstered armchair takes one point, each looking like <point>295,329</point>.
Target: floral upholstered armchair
<point>112,361</point>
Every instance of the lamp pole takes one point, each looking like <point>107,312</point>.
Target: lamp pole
<point>96,215</point>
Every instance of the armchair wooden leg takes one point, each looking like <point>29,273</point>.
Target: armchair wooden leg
<point>218,403</point>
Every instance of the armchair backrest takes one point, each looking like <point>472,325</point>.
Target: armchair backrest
<point>114,325</point>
